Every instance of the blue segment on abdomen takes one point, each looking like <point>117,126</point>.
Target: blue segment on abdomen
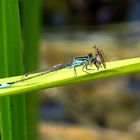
<point>4,85</point>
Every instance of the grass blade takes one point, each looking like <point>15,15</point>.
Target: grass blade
<point>31,34</point>
<point>66,76</point>
<point>12,109</point>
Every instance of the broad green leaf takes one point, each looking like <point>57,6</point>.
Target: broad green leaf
<point>66,76</point>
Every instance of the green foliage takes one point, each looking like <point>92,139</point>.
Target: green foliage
<point>31,33</point>
<point>66,76</point>
<point>12,109</point>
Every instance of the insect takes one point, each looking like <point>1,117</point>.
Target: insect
<point>89,59</point>
<point>99,58</point>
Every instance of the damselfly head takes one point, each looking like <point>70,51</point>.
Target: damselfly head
<point>90,55</point>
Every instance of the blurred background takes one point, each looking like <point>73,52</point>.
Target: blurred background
<point>106,109</point>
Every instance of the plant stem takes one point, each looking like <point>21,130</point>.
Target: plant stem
<point>12,109</point>
<point>31,30</point>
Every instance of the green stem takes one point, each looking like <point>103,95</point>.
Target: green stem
<point>31,30</point>
<point>12,109</point>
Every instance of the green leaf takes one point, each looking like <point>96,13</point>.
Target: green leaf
<point>66,76</point>
<point>12,108</point>
<point>31,34</point>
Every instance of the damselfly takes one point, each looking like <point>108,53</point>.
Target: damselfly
<point>90,59</point>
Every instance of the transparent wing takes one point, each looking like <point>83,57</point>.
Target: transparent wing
<point>102,57</point>
<point>101,54</point>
